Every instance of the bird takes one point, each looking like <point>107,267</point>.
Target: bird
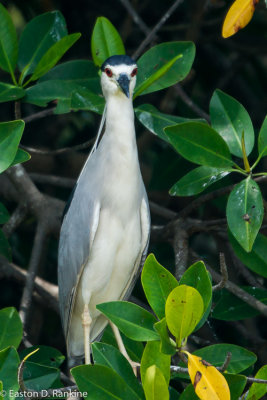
<point>105,231</point>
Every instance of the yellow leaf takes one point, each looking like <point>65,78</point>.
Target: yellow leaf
<point>208,382</point>
<point>238,16</point>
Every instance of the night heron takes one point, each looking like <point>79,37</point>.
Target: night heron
<point>105,231</point>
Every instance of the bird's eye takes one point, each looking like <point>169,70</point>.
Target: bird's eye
<point>134,72</point>
<point>108,72</point>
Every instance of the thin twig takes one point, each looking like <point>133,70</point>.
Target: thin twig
<point>180,248</point>
<point>135,16</point>
<point>224,272</point>
<point>162,211</point>
<point>189,102</point>
<point>53,180</point>
<point>63,150</point>
<point>47,291</point>
<point>210,196</point>
<point>39,115</point>
<point>226,362</point>
<point>15,220</point>
<point>38,245</point>
<point>236,290</point>
<point>153,32</point>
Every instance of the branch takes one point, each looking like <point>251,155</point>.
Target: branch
<point>153,32</point>
<point>224,273</point>
<point>210,196</point>
<point>226,362</point>
<point>39,115</point>
<point>236,290</point>
<point>15,220</point>
<point>63,150</point>
<point>53,180</point>
<point>162,211</point>
<point>135,16</point>
<point>187,100</point>
<point>28,192</point>
<point>47,291</point>
<point>38,246</point>
<point>180,247</point>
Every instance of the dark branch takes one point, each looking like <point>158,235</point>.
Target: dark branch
<point>36,255</point>
<point>156,28</point>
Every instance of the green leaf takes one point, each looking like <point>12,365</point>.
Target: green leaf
<point>236,385</point>
<point>5,249</point>
<point>1,389</point>
<point>105,42</point>
<point>82,99</point>
<point>9,362</point>
<point>184,309</point>
<point>40,377</point>
<point>244,212</point>
<point>134,321</point>
<point>107,355</point>
<point>230,119</point>
<point>160,73</point>
<point>153,356</point>
<point>133,348</point>
<point>101,383</point>
<point>10,92</point>
<point>81,72</point>
<point>69,94</point>
<point>8,42</point>
<point>10,135</point>
<point>174,395</point>
<point>197,277</point>
<point>157,283</point>
<point>46,355</point>
<point>11,328</point>
<point>256,260</point>
<point>156,121</point>
<point>21,157</point>
<point>258,390</point>
<point>4,214</point>
<point>215,354</point>
<point>197,180</point>
<point>53,55</point>
<point>232,308</point>
<point>189,393</point>
<point>162,66</point>
<point>262,139</point>
<point>154,384</point>
<point>199,143</point>
<point>38,36</point>
<point>167,346</point>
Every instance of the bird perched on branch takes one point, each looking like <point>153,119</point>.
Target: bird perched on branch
<point>105,231</point>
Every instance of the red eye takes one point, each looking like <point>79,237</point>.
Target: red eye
<point>108,72</point>
<point>134,72</point>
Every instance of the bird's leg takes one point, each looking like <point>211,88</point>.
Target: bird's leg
<point>86,322</point>
<point>122,348</point>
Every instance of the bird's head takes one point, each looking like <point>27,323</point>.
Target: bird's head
<point>118,76</point>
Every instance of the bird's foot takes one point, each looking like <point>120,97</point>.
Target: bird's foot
<point>86,323</point>
<point>122,348</point>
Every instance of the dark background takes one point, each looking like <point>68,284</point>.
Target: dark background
<point>236,65</point>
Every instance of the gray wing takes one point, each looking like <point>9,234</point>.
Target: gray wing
<point>77,233</point>
<point>76,238</point>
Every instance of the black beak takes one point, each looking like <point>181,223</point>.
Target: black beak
<point>124,83</point>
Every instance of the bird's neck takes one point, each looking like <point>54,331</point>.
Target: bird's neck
<point>120,120</point>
